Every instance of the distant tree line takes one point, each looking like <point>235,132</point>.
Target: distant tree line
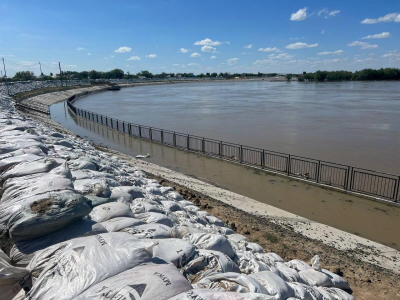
<point>366,74</point>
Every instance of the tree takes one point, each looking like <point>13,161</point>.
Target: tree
<point>94,74</point>
<point>24,75</point>
<point>145,73</point>
<point>114,74</point>
<point>288,77</point>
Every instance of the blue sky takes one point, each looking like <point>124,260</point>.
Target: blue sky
<point>199,36</point>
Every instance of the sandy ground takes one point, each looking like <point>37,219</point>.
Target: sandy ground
<point>371,269</point>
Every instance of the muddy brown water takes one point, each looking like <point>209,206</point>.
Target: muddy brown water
<point>376,221</point>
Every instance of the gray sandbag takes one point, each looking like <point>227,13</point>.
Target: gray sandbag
<point>191,208</point>
<point>171,206</point>
<point>80,263</point>
<point>64,143</point>
<point>147,282</point>
<point>152,217</point>
<point>119,223</point>
<point>94,201</point>
<point>298,265</point>
<point>43,165</point>
<point>269,258</point>
<point>123,191</point>
<point>214,220</point>
<point>31,150</point>
<point>149,231</point>
<point>109,211</point>
<point>90,174</point>
<point>232,282</point>
<point>287,273</point>
<point>11,161</point>
<point>335,293</point>
<point>206,263</point>
<point>175,196</point>
<point>45,214</point>
<point>303,291</point>
<point>179,231</point>
<point>12,280</point>
<point>143,207</point>
<point>175,251</point>
<point>97,187</point>
<point>22,252</point>
<point>249,264</point>
<point>274,285</point>
<point>208,241</point>
<point>312,277</point>
<point>337,281</point>
<point>199,294</point>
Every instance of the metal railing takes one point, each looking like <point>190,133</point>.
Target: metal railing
<point>348,178</point>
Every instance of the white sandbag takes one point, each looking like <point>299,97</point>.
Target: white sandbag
<point>174,196</point>
<point>117,224</point>
<point>233,282</point>
<point>38,166</point>
<point>298,265</point>
<point>287,273</point>
<point>253,247</point>
<point>152,217</point>
<point>337,281</point>
<point>94,201</point>
<point>175,251</point>
<point>214,220</point>
<point>249,264</point>
<point>315,278</point>
<point>147,282</point>
<point>143,207</point>
<point>96,187</point>
<point>149,231</point>
<point>225,230</point>
<point>11,161</point>
<point>208,241</point>
<point>12,280</point>
<point>165,190</point>
<point>121,191</point>
<point>22,252</point>
<point>64,143</point>
<point>44,214</point>
<point>234,240</point>
<point>335,293</point>
<point>200,294</point>
<point>269,258</point>
<point>208,262</point>
<point>200,213</point>
<point>305,292</point>
<point>109,211</point>
<point>179,231</point>
<point>191,208</point>
<point>89,174</point>
<point>274,285</point>
<point>171,206</point>
<point>78,264</point>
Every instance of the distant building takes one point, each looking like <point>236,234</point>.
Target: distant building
<point>142,77</point>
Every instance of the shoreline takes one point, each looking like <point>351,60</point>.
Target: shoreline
<point>300,235</point>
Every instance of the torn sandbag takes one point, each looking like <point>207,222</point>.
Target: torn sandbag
<point>274,285</point>
<point>152,217</point>
<point>176,251</point>
<point>208,241</point>
<point>97,187</point>
<point>46,213</point>
<point>335,293</point>
<point>78,264</point>
<point>119,223</point>
<point>22,252</point>
<point>109,211</point>
<point>248,263</point>
<point>298,265</point>
<point>208,262</point>
<point>146,282</point>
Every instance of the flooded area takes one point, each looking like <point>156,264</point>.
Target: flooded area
<point>351,123</point>
<point>365,218</point>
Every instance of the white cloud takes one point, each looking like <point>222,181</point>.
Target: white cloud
<point>301,46</point>
<point>123,49</point>
<point>183,50</point>
<point>323,31</point>
<point>193,64</point>
<point>299,15</point>
<point>248,46</point>
<point>175,65</point>
<point>105,57</point>
<point>269,49</point>
<point>337,52</point>
<point>112,56</point>
<point>382,35</point>
<point>394,17</point>
<point>322,11</point>
<point>232,61</point>
<point>135,57</point>
<point>364,60</point>
<point>28,63</point>
<point>265,61</point>
<point>333,13</point>
<point>208,49</point>
<point>363,45</point>
<point>195,54</point>
<point>213,57</point>
<point>151,55</point>
<point>89,54</point>
<point>281,55</point>
<point>209,42</point>
<point>392,55</point>
<point>80,48</point>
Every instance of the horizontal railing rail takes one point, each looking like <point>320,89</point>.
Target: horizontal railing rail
<point>347,178</point>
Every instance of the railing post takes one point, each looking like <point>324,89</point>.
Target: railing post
<point>123,126</point>
<point>318,166</point>
<point>129,129</point>
<point>162,136</point>
<point>150,134</point>
<point>288,165</point>
<point>97,117</point>
<point>188,140</point>
<point>241,153</point>
<point>346,181</point>
<point>117,125</point>
<point>262,159</point>
<point>112,123</point>
<point>220,149</point>
<point>106,121</point>
<point>203,146</point>
<point>174,139</point>
<point>140,131</point>
<point>352,178</point>
<point>397,192</point>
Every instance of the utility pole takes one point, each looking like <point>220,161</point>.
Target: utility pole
<point>5,75</point>
<point>59,66</point>
<point>41,73</point>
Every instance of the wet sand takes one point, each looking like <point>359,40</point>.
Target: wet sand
<point>352,214</point>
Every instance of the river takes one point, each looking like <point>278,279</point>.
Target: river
<point>351,123</point>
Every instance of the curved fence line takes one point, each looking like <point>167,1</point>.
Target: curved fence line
<point>347,178</point>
